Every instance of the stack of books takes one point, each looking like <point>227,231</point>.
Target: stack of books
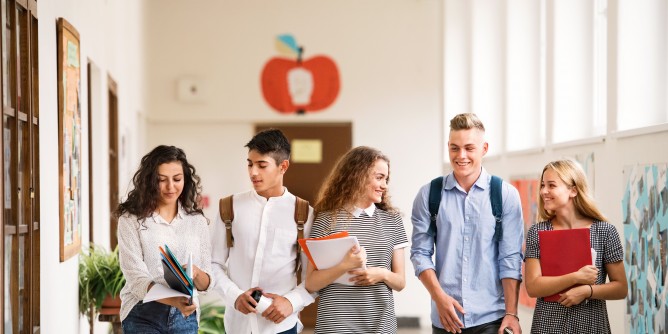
<point>179,279</point>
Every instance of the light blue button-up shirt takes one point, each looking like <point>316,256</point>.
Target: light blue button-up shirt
<point>469,262</point>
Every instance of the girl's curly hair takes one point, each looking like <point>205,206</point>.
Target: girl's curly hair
<point>143,198</point>
<point>346,183</point>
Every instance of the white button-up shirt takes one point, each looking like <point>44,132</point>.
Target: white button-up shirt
<point>264,255</point>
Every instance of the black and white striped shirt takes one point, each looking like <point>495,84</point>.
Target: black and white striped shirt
<point>361,309</point>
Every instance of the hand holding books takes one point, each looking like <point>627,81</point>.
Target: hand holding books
<point>179,279</point>
<point>329,251</point>
<point>564,252</point>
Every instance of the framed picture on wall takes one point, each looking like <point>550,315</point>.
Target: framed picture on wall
<point>69,138</point>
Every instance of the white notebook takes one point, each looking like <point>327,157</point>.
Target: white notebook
<point>328,253</point>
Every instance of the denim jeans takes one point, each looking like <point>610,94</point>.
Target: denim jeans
<point>488,328</point>
<point>292,330</point>
<point>158,318</point>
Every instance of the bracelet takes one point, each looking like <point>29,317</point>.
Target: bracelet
<point>514,315</point>
<point>591,291</point>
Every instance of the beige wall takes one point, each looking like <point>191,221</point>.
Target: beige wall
<point>389,57</point>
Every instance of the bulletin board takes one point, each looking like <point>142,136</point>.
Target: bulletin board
<point>69,138</point>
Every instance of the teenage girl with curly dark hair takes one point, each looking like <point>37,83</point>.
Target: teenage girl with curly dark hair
<point>161,209</point>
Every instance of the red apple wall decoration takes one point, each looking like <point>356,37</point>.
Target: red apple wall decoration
<point>295,85</point>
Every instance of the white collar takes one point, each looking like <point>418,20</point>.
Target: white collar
<point>180,213</point>
<point>369,211</point>
<point>284,195</point>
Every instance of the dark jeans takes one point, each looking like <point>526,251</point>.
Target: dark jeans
<point>158,318</point>
<point>488,328</point>
<point>292,330</point>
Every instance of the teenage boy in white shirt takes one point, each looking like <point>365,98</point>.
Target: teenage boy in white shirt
<point>264,252</point>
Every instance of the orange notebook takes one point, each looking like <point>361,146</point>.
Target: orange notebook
<point>563,252</point>
<point>302,243</point>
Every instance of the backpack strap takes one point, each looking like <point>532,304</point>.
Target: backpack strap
<point>227,215</point>
<point>497,206</point>
<point>435,193</point>
<point>301,216</point>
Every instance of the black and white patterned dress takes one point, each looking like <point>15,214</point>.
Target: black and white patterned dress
<point>361,309</point>
<point>589,316</point>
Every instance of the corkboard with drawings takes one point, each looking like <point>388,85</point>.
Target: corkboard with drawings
<point>69,138</point>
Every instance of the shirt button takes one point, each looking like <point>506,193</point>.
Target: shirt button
<point>466,259</point>
<point>465,281</point>
<point>466,238</point>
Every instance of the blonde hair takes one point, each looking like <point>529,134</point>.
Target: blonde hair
<point>346,183</point>
<point>572,174</point>
<point>466,121</point>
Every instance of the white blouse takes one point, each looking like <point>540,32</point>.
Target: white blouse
<point>139,255</point>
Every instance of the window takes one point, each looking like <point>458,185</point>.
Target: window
<point>571,70</point>
<point>20,143</point>
<point>524,84</point>
<point>642,64</point>
<point>540,73</point>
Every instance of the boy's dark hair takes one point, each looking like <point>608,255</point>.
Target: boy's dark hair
<point>272,142</point>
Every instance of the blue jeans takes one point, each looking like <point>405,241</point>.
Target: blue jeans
<point>158,318</point>
<point>293,330</point>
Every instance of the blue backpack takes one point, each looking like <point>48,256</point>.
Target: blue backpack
<point>435,193</point>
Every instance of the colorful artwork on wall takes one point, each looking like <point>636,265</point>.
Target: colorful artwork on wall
<point>528,188</point>
<point>292,84</point>
<point>69,139</point>
<point>586,160</point>
<point>645,214</point>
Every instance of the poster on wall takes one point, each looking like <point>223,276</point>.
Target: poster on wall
<point>528,187</point>
<point>586,160</point>
<point>69,139</point>
<point>645,214</point>
<point>294,84</point>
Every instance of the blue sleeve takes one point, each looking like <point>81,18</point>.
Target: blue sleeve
<point>422,247</point>
<point>510,247</point>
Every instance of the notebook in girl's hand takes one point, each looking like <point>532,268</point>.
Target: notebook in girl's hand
<point>563,252</point>
<point>178,282</point>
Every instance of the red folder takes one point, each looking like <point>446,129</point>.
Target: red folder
<point>302,243</point>
<point>563,252</point>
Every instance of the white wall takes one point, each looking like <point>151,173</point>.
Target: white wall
<point>389,54</point>
<point>110,36</point>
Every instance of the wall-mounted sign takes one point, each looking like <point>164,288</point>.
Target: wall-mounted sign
<point>307,151</point>
<point>291,84</point>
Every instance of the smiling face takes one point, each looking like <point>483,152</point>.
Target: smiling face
<point>170,176</point>
<point>376,184</point>
<point>266,174</point>
<point>466,149</point>
<point>554,193</point>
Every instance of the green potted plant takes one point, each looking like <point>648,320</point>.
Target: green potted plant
<point>212,319</point>
<point>100,280</point>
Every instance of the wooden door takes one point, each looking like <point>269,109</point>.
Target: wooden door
<point>315,150</point>
<point>114,198</point>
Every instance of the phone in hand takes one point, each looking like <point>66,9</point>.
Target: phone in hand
<point>507,331</point>
<point>256,295</point>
